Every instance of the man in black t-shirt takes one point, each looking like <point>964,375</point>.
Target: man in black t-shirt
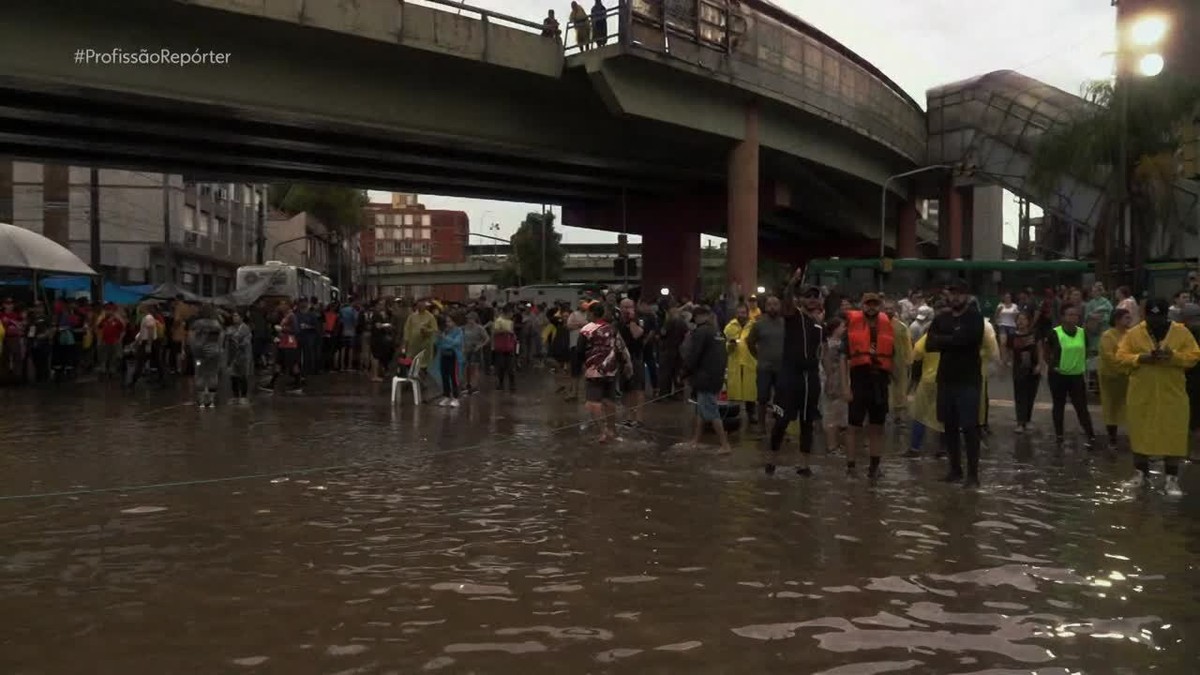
<point>632,328</point>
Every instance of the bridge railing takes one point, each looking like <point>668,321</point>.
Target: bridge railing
<point>483,14</point>
<point>811,70</point>
<point>576,41</point>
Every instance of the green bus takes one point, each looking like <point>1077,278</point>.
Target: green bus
<point>988,279</point>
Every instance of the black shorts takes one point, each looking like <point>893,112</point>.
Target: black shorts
<point>289,358</point>
<point>870,390</point>
<point>600,389</point>
<point>636,381</point>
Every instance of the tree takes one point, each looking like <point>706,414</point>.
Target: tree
<point>524,265</point>
<point>338,208</point>
<point>1149,115</point>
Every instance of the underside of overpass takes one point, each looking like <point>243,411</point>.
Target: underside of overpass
<point>396,96</point>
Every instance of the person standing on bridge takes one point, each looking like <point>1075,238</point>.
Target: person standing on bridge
<point>550,27</point>
<point>582,25</point>
<point>599,23</point>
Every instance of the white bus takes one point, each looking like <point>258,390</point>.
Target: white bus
<point>279,280</point>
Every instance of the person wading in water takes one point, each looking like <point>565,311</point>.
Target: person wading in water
<point>798,393</point>
<point>870,346</point>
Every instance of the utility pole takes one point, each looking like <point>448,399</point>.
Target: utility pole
<point>260,228</point>
<point>94,236</point>
<point>168,247</point>
<point>543,275</point>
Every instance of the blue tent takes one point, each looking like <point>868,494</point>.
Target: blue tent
<point>122,295</point>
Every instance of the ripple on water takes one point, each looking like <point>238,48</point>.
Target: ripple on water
<point>345,650</point>
<point>464,588</point>
<point>528,647</point>
<point>250,661</point>
<point>566,633</point>
<point>634,579</point>
<point>616,654</point>
<point>872,668</point>
<point>138,510</point>
<point>680,646</point>
<point>557,588</point>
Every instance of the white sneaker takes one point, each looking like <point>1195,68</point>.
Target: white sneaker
<point>443,403</point>
<point>1172,487</point>
<point>454,403</point>
<point>1136,482</point>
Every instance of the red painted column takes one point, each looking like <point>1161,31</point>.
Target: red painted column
<point>906,230</point>
<point>671,260</point>
<point>742,270</point>
<point>950,227</point>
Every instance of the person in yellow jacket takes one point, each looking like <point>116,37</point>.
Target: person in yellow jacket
<point>741,376</point>
<point>924,404</point>
<point>1158,352</point>
<point>1113,376</point>
<point>902,358</point>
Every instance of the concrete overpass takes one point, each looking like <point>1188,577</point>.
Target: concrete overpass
<point>576,269</point>
<point>735,119</point>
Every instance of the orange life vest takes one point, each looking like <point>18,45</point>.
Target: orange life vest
<point>858,341</point>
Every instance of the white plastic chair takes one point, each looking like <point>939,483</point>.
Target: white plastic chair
<point>414,379</point>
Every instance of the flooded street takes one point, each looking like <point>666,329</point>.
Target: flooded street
<point>331,534</point>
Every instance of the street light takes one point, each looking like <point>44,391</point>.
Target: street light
<point>1149,30</point>
<point>1144,34</point>
<point>1151,65</point>
<point>761,290</point>
<point>883,201</point>
<point>664,291</point>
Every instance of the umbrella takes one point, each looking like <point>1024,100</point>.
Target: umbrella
<point>26,250</point>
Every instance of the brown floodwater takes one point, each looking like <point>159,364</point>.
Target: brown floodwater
<point>494,539</point>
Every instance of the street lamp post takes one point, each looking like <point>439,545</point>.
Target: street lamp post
<point>1140,39</point>
<point>883,200</point>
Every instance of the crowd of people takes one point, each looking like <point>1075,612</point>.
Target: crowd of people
<point>807,357</point>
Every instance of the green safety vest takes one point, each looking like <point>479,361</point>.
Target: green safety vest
<point>1072,351</point>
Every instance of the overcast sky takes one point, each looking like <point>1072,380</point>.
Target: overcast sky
<point>918,43</point>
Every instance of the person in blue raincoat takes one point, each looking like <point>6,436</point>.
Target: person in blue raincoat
<point>449,345</point>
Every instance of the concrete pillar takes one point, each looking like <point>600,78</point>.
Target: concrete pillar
<point>742,269</point>
<point>950,225</point>
<point>906,230</point>
<point>987,223</point>
<point>671,260</point>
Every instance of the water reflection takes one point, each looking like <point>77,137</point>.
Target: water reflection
<point>436,548</point>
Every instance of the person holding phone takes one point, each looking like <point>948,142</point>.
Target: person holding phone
<point>1158,352</point>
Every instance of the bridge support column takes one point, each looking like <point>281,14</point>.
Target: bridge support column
<point>742,271</point>
<point>671,260</point>
<point>950,225</point>
<point>906,230</point>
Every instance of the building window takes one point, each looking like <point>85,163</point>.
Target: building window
<point>380,219</point>
<point>406,247</point>
<point>378,230</point>
<point>423,248</point>
<point>408,219</point>
<point>426,219</point>
<point>221,287</point>
<point>205,190</point>
<point>220,228</point>
<point>189,219</point>
<point>202,222</point>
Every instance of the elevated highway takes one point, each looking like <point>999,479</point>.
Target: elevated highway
<point>734,119</point>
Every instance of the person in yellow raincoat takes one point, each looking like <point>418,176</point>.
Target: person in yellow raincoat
<point>741,374</point>
<point>1158,352</point>
<point>989,351</point>
<point>902,360</point>
<point>924,404</point>
<point>1114,377</point>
